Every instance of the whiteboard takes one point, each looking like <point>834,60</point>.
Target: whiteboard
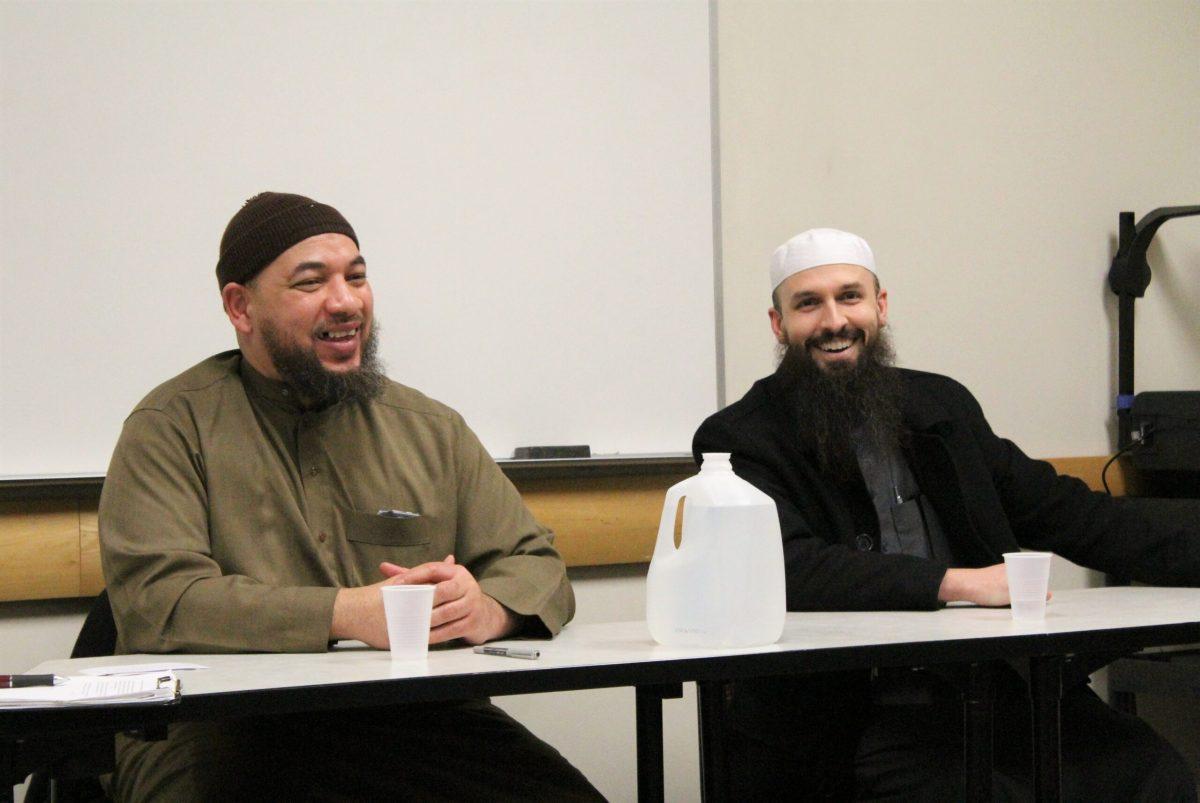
<point>531,184</point>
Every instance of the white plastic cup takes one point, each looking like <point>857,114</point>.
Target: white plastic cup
<point>408,609</point>
<point>1028,580</point>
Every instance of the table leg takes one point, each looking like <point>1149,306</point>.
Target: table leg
<point>650,739</point>
<point>6,774</point>
<point>977,734</point>
<point>711,702</point>
<point>8,770</point>
<point>1045,686</point>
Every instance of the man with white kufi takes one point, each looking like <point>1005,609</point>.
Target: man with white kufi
<point>893,493</point>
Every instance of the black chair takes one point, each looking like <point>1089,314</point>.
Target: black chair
<point>97,637</point>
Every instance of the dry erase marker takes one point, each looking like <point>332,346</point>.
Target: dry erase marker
<point>20,681</point>
<point>509,652</point>
<point>389,513</point>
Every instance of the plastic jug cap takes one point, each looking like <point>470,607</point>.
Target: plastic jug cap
<point>716,461</point>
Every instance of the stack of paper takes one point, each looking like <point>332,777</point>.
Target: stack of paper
<point>89,690</point>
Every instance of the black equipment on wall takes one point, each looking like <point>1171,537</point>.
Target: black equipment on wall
<point>1164,424</point>
<point>1161,431</point>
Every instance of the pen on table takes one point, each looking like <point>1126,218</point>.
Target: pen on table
<point>509,652</point>
<point>19,681</point>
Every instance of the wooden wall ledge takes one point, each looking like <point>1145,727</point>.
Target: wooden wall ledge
<point>601,513</point>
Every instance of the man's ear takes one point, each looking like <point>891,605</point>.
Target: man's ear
<point>882,304</point>
<point>236,300</point>
<point>777,325</point>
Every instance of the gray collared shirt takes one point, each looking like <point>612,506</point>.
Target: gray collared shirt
<point>908,524</point>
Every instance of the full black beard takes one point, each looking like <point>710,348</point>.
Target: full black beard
<point>314,383</point>
<point>834,403</point>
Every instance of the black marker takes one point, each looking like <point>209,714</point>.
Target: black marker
<point>509,652</point>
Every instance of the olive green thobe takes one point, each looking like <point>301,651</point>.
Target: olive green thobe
<point>231,515</point>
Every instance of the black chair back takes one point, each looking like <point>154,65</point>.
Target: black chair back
<point>98,636</point>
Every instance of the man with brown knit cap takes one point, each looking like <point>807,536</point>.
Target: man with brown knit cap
<point>240,513</point>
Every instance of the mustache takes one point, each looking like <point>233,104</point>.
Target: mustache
<point>847,332</point>
<point>339,318</point>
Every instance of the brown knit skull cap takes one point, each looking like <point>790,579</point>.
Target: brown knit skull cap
<point>266,226</point>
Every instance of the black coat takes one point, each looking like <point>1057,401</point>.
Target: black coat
<point>991,498</point>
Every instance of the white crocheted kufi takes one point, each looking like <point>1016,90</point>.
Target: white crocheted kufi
<point>817,247</point>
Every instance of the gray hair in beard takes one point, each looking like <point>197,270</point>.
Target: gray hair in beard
<point>317,385</point>
<point>834,404</point>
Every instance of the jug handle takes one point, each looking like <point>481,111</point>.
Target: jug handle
<point>665,544</point>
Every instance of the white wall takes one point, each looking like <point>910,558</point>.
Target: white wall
<point>513,171</point>
<point>984,149</point>
<point>32,632</point>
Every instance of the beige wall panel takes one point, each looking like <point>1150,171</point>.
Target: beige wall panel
<point>39,541</point>
<point>91,579</point>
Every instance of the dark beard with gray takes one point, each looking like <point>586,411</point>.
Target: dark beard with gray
<point>833,404</point>
<point>317,385</point>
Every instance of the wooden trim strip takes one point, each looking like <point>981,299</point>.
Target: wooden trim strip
<point>51,545</point>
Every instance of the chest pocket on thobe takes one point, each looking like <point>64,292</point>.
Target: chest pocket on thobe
<point>371,539</point>
<point>370,528</point>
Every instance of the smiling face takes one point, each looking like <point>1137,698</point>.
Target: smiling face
<point>313,298</point>
<point>833,311</point>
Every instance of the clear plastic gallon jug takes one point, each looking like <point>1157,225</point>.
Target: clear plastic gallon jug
<point>723,585</point>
